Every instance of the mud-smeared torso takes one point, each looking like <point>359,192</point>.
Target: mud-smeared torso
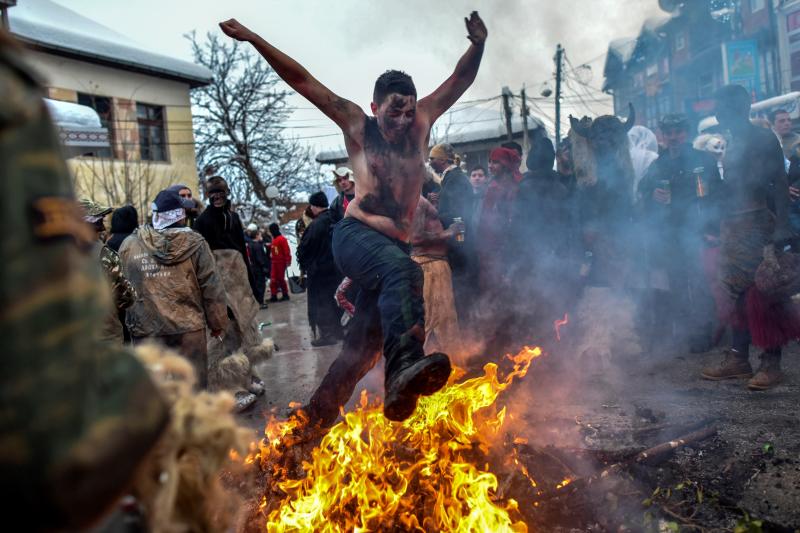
<point>389,180</point>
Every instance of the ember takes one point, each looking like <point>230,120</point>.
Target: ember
<point>429,473</point>
<point>558,323</point>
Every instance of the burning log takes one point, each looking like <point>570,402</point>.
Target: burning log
<point>648,456</point>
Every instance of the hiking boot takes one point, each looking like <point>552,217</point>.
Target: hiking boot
<point>256,385</point>
<point>243,401</point>
<point>323,341</point>
<point>768,374</point>
<point>285,298</point>
<point>421,378</point>
<point>733,366</point>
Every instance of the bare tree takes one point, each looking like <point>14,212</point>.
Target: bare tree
<point>239,126</point>
<point>120,181</point>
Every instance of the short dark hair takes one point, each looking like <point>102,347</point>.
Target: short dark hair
<point>512,145</point>
<point>393,81</point>
<point>775,113</point>
<point>274,229</point>
<point>734,97</point>
<point>477,167</point>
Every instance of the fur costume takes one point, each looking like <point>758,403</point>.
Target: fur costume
<point>179,485</point>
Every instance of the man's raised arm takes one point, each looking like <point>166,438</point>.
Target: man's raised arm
<point>440,100</point>
<point>343,112</point>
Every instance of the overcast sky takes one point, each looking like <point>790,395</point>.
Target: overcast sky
<point>348,43</point>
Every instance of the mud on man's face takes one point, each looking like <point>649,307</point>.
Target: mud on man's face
<point>395,116</point>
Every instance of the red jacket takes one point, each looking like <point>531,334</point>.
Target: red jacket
<point>279,251</point>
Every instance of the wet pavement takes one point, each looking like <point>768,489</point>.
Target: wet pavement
<point>296,368</point>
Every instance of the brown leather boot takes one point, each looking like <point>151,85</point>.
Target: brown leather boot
<point>733,366</point>
<point>768,374</point>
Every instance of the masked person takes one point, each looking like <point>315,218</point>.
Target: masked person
<point>315,256</point>
<point>79,415</point>
<point>370,243</point>
<point>755,215</point>
<point>180,292</point>
<point>222,229</point>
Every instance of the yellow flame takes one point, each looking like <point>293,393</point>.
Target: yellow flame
<point>369,474</point>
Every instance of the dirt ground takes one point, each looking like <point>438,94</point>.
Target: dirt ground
<point>746,478</point>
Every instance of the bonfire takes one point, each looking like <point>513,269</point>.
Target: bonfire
<point>433,472</point>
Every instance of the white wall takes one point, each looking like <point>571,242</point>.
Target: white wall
<point>100,80</point>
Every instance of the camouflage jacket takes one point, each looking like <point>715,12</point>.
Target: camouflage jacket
<point>122,289</point>
<point>77,416</point>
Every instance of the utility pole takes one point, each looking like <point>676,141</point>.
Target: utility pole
<point>526,143</point>
<point>559,61</point>
<point>507,112</point>
<point>4,5</point>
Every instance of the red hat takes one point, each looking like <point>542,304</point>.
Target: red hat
<point>509,158</point>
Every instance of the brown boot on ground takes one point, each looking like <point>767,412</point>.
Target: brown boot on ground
<point>733,366</point>
<point>769,372</point>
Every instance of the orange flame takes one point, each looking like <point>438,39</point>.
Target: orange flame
<point>558,323</point>
<point>369,474</point>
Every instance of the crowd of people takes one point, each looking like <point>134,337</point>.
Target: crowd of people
<point>505,253</point>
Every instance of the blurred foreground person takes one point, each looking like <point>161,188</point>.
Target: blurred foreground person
<point>756,215</point>
<point>79,415</point>
<point>315,257</point>
<point>370,243</point>
<point>429,248</point>
<point>180,292</point>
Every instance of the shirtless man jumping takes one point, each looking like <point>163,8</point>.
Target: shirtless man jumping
<point>370,245</point>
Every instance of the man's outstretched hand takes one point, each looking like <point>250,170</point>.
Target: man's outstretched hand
<point>476,29</point>
<point>233,28</point>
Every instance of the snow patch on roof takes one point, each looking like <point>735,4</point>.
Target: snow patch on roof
<point>68,114</point>
<point>54,27</point>
<point>623,47</point>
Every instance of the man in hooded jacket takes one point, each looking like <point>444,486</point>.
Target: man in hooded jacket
<point>180,293</point>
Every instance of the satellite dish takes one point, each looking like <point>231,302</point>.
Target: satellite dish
<point>670,6</point>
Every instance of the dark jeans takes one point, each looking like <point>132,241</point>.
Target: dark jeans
<point>389,314</point>
<point>390,282</point>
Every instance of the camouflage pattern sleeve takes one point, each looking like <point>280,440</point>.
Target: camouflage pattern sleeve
<point>122,289</point>
<point>77,417</point>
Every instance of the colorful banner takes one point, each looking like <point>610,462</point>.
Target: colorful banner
<point>740,65</point>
